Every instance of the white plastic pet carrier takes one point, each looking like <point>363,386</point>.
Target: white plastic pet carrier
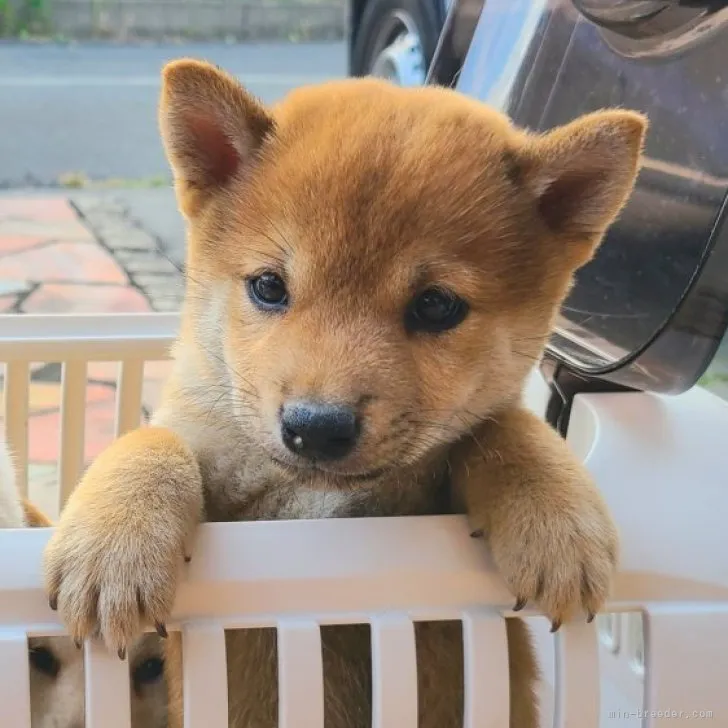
<point>661,462</point>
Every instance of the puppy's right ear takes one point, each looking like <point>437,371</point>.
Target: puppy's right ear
<point>211,128</point>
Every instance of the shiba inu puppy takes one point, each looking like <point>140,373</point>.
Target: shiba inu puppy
<point>56,664</point>
<point>372,273</point>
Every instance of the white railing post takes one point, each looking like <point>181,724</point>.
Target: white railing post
<point>204,668</point>
<point>487,687</point>
<point>129,395</point>
<point>14,678</point>
<point>300,675</point>
<point>108,698</point>
<point>394,672</point>
<point>577,698</point>
<point>73,427</point>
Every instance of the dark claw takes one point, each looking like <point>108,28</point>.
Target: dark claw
<point>53,603</point>
<point>78,643</point>
<point>187,559</point>
<point>520,604</point>
<point>477,533</point>
<point>590,617</point>
<point>162,631</point>
<point>122,653</point>
<point>555,625</point>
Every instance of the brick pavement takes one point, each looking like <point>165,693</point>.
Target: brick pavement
<point>56,258</point>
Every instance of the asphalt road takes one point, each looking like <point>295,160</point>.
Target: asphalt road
<point>92,108</point>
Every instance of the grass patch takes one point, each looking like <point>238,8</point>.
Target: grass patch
<point>81,181</point>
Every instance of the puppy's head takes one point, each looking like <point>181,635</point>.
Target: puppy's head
<point>376,268</point>
<point>57,683</point>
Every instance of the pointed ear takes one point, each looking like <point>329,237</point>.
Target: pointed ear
<point>582,174</point>
<point>212,128</point>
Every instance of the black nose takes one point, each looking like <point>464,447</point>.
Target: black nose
<point>319,431</point>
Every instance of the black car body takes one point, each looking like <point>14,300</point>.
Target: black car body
<point>649,312</point>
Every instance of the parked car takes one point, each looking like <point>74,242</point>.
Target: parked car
<point>394,39</point>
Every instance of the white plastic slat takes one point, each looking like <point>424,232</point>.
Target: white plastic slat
<point>577,699</point>
<point>394,672</point>
<point>73,419</point>
<point>205,677</point>
<point>300,675</point>
<point>15,682</point>
<point>129,395</point>
<point>108,703</point>
<point>17,374</point>
<point>487,686</point>
<point>87,337</point>
<point>686,666</point>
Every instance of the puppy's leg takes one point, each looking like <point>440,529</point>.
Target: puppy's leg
<point>114,560</point>
<point>548,527</point>
<point>34,517</point>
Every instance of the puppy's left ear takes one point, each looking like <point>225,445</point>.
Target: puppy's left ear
<point>581,175</point>
<point>212,128</point>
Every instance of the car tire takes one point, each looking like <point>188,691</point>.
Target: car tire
<point>396,39</point>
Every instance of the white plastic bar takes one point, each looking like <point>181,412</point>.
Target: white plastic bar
<point>108,700</point>
<point>427,566</point>
<point>300,675</point>
<point>204,665</point>
<point>394,672</point>
<point>94,337</point>
<point>129,395</point>
<point>73,420</point>
<point>577,698</point>
<point>686,666</point>
<point>15,682</point>
<point>17,376</point>
<point>487,685</point>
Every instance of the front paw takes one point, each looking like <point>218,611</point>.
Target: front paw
<point>559,555</point>
<point>107,579</point>
<point>113,562</point>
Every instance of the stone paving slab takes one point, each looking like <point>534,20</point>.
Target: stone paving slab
<point>19,243</point>
<point>63,262</point>
<point>58,258</point>
<point>86,297</point>
<point>35,209</point>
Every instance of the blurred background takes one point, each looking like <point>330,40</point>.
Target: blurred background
<point>79,81</point>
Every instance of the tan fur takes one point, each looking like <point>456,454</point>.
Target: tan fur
<point>11,509</point>
<point>57,701</point>
<point>359,195</point>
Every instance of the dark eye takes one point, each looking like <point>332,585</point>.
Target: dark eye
<point>149,671</point>
<point>268,291</point>
<point>435,310</point>
<point>43,660</point>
